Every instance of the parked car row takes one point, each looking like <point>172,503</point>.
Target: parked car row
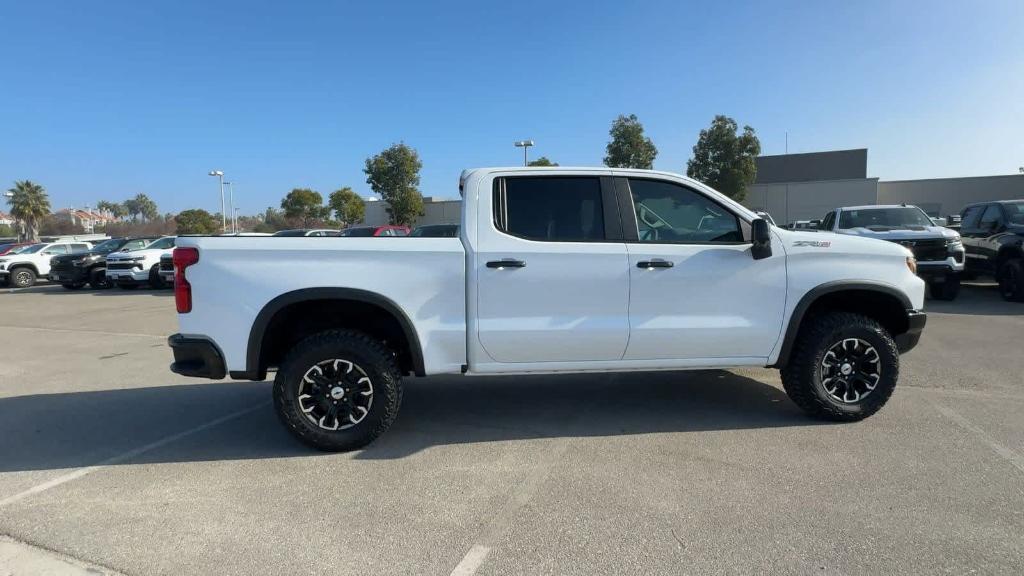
<point>986,238</point>
<point>137,261</point>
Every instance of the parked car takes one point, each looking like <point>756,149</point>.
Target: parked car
<point>142,266</point>
<point>767,217</point>
<point>167,268</point>
<point>74,271</point>
<point>803,225</point>
<point>557,277</point>
<point>13,247</point>
<point>376,231</point>
<point>436,231</point>
<point>993,234</point>
<point>938,250</point>
<point>307,232</point>
<point>22,269</point>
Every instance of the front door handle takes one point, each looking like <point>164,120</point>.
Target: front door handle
<point>656,263</point>
<point>506,263</point>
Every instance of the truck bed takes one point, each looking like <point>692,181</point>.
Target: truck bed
<point>236,277</point>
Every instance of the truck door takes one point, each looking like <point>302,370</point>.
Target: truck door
<point>695,289</point>
<point>550,263</point>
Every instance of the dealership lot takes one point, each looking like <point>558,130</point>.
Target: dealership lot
<point>108,458</point>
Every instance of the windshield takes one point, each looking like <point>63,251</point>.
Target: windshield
<point>32,249</point>
<point>884,218</point>
<point>358,232</point>
<point>109,245</point>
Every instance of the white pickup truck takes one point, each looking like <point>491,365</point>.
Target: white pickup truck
<point>554,270</point>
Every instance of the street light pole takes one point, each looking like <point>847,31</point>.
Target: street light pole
<point>231,197</point>
<point>525,145</point>
<point>223,215</point>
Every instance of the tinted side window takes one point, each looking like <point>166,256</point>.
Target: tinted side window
<point>970,218</point>
<point>57,249</point>
<point>828,221</point>
<point>991,216</point>
<point>669,213</point>
<point>554,209</point>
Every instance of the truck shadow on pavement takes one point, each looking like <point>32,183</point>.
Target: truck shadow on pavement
<point>70,430</point>
<point>977,298</point>
<point>58,290</point>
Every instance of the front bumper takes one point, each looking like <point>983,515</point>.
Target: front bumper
<point>123,276</point>
<point>938,269</point>
<point>916,319</point>
<point>69,275</point>
<point>196,357</point>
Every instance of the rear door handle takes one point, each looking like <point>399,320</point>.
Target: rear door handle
<point>656,263</point>
<point>506,263</point>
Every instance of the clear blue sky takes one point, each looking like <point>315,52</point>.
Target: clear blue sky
<point>102,100</point>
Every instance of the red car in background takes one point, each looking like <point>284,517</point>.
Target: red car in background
<point>376,231</point>
<point>7,248</point>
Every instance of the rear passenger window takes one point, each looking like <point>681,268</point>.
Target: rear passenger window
<point>553,209</point>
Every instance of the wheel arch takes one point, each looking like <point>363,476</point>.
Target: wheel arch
<point>29,265</point>
<point>336,308</point>
<point>883,302</point>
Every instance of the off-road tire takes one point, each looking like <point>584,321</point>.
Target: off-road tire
<point>947,290</point>
<point>371,356</point>
<point>801,377</point>
<point>98,279</point>
<point>22,277</point>
<point>1011,280</point>
<point>155,281</point>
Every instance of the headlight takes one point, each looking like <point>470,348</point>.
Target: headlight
<point>953,243</point>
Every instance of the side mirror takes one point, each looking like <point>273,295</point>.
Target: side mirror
<point>762,237</point>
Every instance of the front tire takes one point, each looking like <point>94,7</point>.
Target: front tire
<point>98,279</point>
<point>338,390</point>
<point>155,281</point>
<point>947,290</point>
<point>23,278</point>
<point>844,367</point>
<point>1011,280</point>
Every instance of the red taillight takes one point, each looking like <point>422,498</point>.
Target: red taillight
<point>183,258</point>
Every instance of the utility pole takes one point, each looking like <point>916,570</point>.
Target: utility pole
<point>223,215</point>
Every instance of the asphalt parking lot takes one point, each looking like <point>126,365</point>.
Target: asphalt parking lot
<point>108,458</point>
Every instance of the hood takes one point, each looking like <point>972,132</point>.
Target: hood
<point>77,255</point>
<point>796,241</point>
<point>896,234</point>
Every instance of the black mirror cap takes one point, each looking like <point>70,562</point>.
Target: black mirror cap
<point>762,239</point>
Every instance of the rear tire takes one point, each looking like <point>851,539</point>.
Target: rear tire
<point>23,277</point>
<point>98,279</point>
<point>850,398</point>
<point>1011,280</point>
<point>947,290</point>
<point>321,387</point>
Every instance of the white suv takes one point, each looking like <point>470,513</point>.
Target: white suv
<point>137,267</point>
<point>22,269</point>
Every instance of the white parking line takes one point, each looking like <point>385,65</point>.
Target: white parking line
<point>471,561</point>
<point>76,474</point>
<point>1011,455</point>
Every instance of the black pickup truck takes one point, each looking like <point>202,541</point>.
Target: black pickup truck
<point>993,236</point>
<point>74,271</point>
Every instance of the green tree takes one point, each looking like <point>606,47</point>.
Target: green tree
<point>348,207</point>
<point>628,147</point>
<point>304,205</point>
<point>146,207</point>
<point>196,221</point>
<point>394,174</point>
<point>29,205</point>
<point>542,161</point>
<point>724,159</point>
<point>6,231</point>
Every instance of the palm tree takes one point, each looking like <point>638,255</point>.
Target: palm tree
<point>29,205</point>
